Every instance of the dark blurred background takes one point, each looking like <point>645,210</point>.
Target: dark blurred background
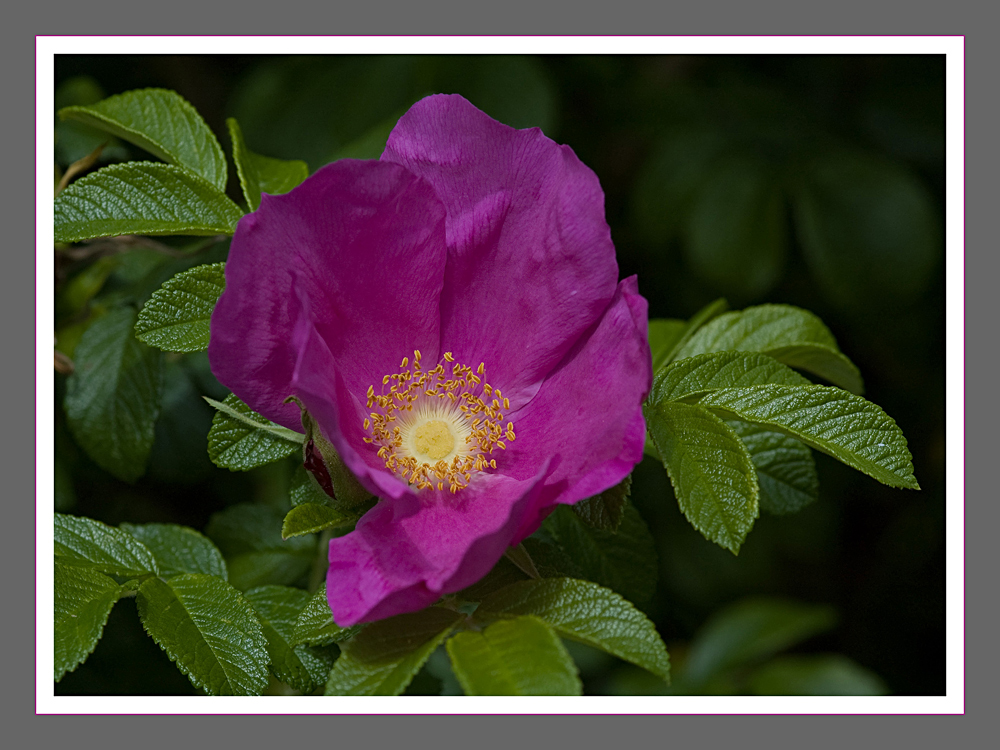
<point>815,181</point>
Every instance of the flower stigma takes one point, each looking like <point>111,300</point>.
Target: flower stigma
<point>438,427</point>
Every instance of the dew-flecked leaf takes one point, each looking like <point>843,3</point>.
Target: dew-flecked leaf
<point>847,427</point>
<point>163,123</point>
<point>605,511</point>
<point>623,560</point>
<point>584,612</point>
<point>750,631</point>
<point>690,378</point>
<point>177,316</point>
<point>315,626</point>
<point>209,630</point>
<point>710,468</point>
<point>384,657</point>
<point>262,174</point>
<point>278,608</point>
<point>234,442</point>
<point>789,334</point>
<point>113,396</point>
<point>142,198</point>
<point>521,656</point>
<point>179,549</point>
<point>86,543</point>
<point>786,471</point>
<point>83,601</point>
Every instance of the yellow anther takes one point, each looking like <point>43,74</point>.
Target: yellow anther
<point>367,423</point>
<point>506,402</point>
<point>481,368</point>
<point>405,362</point>
<point>448,357</point>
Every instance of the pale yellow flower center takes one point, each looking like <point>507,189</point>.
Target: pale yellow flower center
<point>436,429</point>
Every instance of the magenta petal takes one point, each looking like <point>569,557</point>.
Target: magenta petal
<point>587,416</point>
<point>366,240</point>
<point>531,264</point>
<point>404,554</point>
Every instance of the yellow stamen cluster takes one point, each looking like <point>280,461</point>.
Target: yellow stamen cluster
<point>436,427</point>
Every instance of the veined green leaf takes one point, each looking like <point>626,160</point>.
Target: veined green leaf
<point>688,379</point>
<point>163,123</point>
<point>751,631</point>
<point>710,468</point>
<point>521,656</point>
<point>241,439</point>
<point>177,316</point>
<point>142,198</point>
<point>605,511</point>
<point>262,174</point>
<point>315,626</point>
<point>789,334</point>
<point>786,472</point>
<point>310,518</point>
<point>584,612</point>
<point>384,657</point>
<point>179,549</point>
<point>83,601</point>
<point>847,427</point>
<point>86,543</point>
<point>668,354</point>
<point>249,535</point>
<point>113,396</point>
<point>623,560</point>
<point>278,608</point>
<point>664,335</point>
<point>209,630</point>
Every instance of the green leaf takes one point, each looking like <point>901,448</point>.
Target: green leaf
<point>700,318</point>
<point>786,472</point>
<point>315,626</point>
<point>177,316</point>
<point>503,574</point>
<point>751,631</point>
<point>689,379</point>
<point>179,549</point>
<point>827,674</point>
<point>736,235</point>
<point>83,601</point>
<point>868,228</point>
<point>86,543</point>
<point>164,124</point>
<point>303,488</point>
<point>278,608</point>
<point>789,334</point>
<point>113,396</point>
<point>605,511</point>
<point>624,560</point>
<point>521,656</point>
<point>664,335</point>
<point>384,657</point>
<point>142,198</point>
<point>241,439</point>
<point>713,475</point>
<point>209,630</point>
<point>249,536</point>
<point>262,174</point>
<point>311,518</point>
<point>847,427</point>
<point>584,612</point>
